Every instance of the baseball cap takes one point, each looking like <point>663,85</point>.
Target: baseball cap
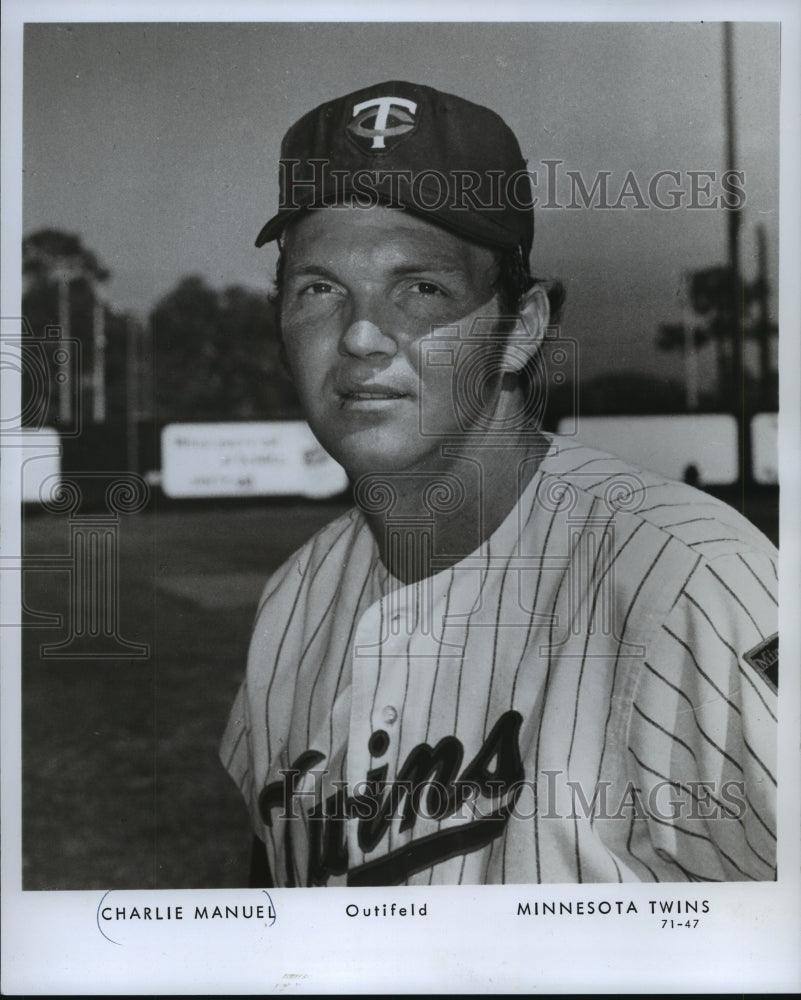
<point>412,147</point>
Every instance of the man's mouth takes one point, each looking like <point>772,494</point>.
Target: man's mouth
<point>372,393</point>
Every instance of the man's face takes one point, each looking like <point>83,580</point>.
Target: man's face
<point>361,289</point>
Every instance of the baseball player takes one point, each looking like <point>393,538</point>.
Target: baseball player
<point>517,659</point>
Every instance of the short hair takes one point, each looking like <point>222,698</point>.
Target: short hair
<point>514,279</point>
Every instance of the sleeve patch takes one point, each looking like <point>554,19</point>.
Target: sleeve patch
<point>764,658</point>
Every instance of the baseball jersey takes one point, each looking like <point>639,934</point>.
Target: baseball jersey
<point>588,697</point>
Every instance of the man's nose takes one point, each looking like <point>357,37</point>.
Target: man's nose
<point>367,335</point>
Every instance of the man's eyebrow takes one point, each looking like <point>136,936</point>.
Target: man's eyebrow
<point>400,270</point>
<point>439,267</point>
<point>303,270</point>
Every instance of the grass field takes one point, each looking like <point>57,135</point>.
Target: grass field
<point>121,783</point>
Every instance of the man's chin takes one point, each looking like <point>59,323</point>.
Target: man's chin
<point>367,452</point>
<point>388,463</point>
<point>382,463</point>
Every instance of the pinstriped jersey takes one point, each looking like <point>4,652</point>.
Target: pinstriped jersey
<point>587,697</point>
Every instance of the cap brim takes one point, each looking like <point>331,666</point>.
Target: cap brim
<point>477,227</point>
<point>272,229</point>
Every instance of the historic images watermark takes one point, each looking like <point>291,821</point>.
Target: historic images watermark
<point>472,358</point>
<point>52,376</point>
<point>433,790</point>
<point>316,184</point>
<point>49,366</point>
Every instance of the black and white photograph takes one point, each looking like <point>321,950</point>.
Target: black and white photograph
<point>392,468</point>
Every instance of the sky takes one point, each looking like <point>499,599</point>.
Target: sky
<point>158,143</point>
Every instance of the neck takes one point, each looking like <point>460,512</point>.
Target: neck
<point>429,520</point>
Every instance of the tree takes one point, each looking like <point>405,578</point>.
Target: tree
<point>49,253</point>
<point>61,279</point>
<point>218,356</point>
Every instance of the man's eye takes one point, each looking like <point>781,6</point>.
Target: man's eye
<point>317,288</point>
<point>426,288</point>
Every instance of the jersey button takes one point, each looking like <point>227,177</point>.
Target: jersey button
<point>389,714</point>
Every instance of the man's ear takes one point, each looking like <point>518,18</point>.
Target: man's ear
<point>533,314</point>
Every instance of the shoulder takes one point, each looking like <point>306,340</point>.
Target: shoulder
<point>328,571</point>
<point>325,553</point>
<point>691,519</point>
<point>686,569</point>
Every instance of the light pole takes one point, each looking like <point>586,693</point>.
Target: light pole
<point>736,388</point>
<point>132,390</point>
<point>65,274</point>
<point>690,352</point>
<point>99,360</point>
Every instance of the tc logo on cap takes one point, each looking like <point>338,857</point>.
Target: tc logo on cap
<point>380,110</point>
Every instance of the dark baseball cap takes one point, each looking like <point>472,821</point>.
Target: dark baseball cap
<point>453,162</point>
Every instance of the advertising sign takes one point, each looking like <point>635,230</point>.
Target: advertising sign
<point>265,458</point>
